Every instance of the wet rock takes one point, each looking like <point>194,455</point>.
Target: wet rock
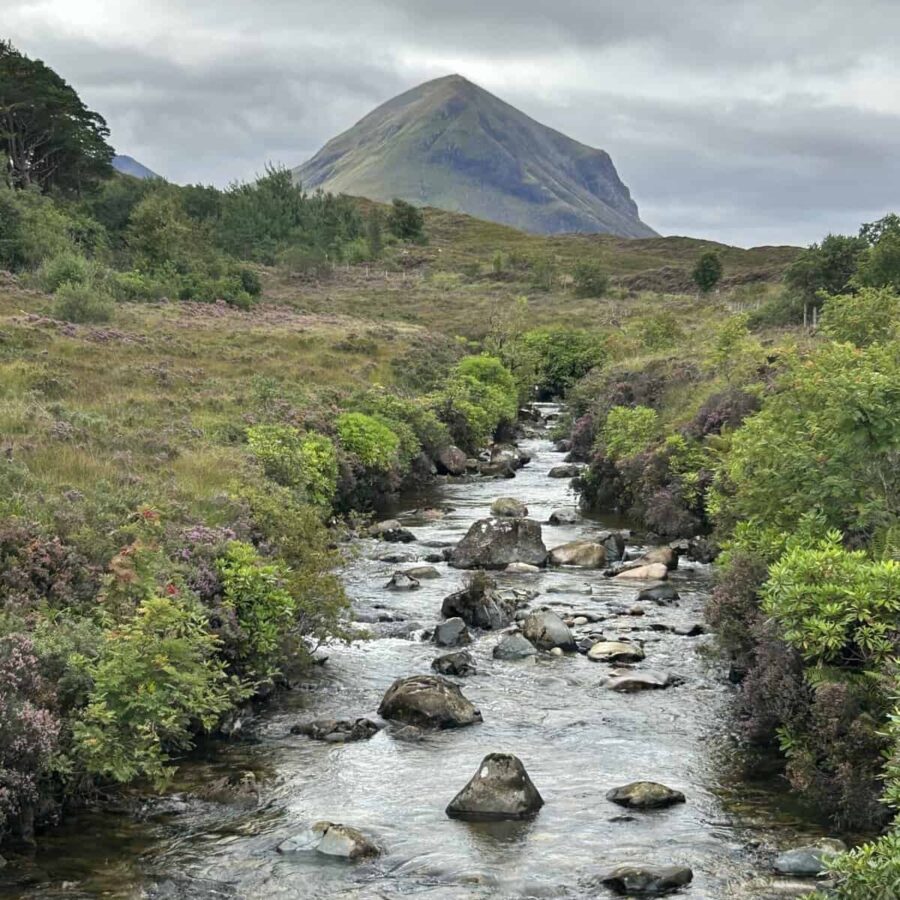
<point>645,795</point>
<point>563,446</point>
<point>338,731</point>
<point>569,470</point>
<point>401,581</point>
<point>569,515</point>
<point>653,572</point>
<point>331,839</point>
<point>451,461</point>
<point>808,862</point>
<point>509,508</point>
<point>631,682</point>
<point>546,630</point>
<point>428,701</point>
<point>499,790</point>
<point>391,531</point>
<point>666,556</point>
<point>693,630</point>
<point>702,550</point>
<point>452,633</point>
<point>647,880</point>
<point>422,573</point>
<point>615,651</point>
<point>433,515</point>
<point>394,556</point>
<point>613,542</point>
<point>522,569</point>
<point>480,605</point>
<point>500,469</point>
<point>662,594</point>
<point>570,587</point>
<point>435,557</point>
<point>495,543</point>
<point>514,646</point>
<point>409,734</point>
<point>461,663</point>
<point>586,554</point>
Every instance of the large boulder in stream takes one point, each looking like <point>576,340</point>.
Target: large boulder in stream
<point>499,790</point>
<point>646,881</point>
<point>568,470</point>
<point>495,543</point>
<point>615,652</point>
<point>546,630</point>
<point>428,701</point>
<point>585,554</point>
<point>514,646</point>
<point>653,572</point>
<point>480,604</point>
<point>452,633</point>
<point>460,664</point>
<point>331,839</point>
<point>509,508</point>
<point>451,461</point>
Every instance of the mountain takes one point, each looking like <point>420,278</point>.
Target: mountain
<point>127,165</point>
<point>449,143</point>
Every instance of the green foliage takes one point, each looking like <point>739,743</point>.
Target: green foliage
<point>544,271</point>
<point>401,414</point>
<point>372,442</point>
<point>879,266</point>
<point>837,607</point>
<point>659,331</point>
<point>827,268</point>
<point>707,272</point>
<point>406,222</point>
<point>872,314</point>
<point>558,357</point>
<point>868,872</point>
<point>590,279</point>
<point>628,431</point>
<point>375,233</point>
<point>66,268</point>
<point>304,461</point>
<point>155,680</point>
<point>83,303</point>
<point>159,231</point>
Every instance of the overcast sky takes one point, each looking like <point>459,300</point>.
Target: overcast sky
<point>772,121</point>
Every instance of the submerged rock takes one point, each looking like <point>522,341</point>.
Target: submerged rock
<point>461,663</point>
<point>647,880</point>
<point>514,646</point>
<point>631,682</point>
<point>428,701</point>
<point>495,543</point>
<point>338,731</point>
<point>509,508</point>
<point>452,633</point>
<point>500,789</point>
<point>586,554</point>
<point>546,630</point>
<point>331,839</point>
<point>645,795</point>
<point>522,569</point>
<point>615,651</point>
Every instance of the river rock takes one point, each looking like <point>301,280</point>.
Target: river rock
<point>499,790</point>
<point>647,880</point>
<point>568,515</point>
<point>331,839</point>
<point>626,682</point>
<point>615,651</point>
<point>613,542</point>
<point>514,646</point>
<point>569,470</point>
<point>667,556</point>
<point>394,556</point>
<point>702,550</point>
<point>495,543</point>
<point>338,731</point>
<point>391,531</point>
<point>428,701</point>
<point>480,605</point>
<point>499,469</point>
<point>422,573</point>
<point>563,446</point>
<point>402,581</point>
<point>451,461</point>
<point>546,630</point>
<point>586,554</point>
<point>653,572</point>
<point>522,569</point>
<point>460,664</point>
<point>662,594</point>
<point>645,795</point>
<point>808,862</point>
<point>509,508</point>
<point>452,633</point>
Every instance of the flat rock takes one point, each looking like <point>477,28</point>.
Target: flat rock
<point>647,880</point>
<point>570,587</point>
<point>546,630</point>
<point>331,839</point>
<point>428,701</point>
<point>338,731</point>
<point>586,554</point>
<point>514,646</point>
<point>452,633</point>
<point>808,862</point>
<point>653,572</point>
<point>522,569</point>
<point>509,508</point>
<point>645,795</point>
<point>422,573</point>
<point>615,651</point>
<point>394,555</point>
<point>666,556</point>
<point>569,470</point>
<point>499,790</point>
<point>401,581</point>
<point>495,543</point>
<point>662,594</point>
<point>625,682</point>
<point>461,663</point>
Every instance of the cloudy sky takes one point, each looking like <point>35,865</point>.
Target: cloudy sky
<point>747,122</point>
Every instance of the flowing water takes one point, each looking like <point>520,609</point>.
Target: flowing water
<point>576,738</point>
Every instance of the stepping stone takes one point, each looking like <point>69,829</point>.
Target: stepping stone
<point>615,651</point>
<point>631,682</point>
<point>645,795</point>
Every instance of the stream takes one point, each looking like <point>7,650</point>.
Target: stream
<point>576,738</point>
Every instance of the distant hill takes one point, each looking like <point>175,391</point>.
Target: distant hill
<point>450,144</point>
<point>127,165</point>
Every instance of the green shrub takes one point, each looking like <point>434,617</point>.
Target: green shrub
<point>430,433</point>
<point>156,679</point>
<point>590,279</point>
<point>83,303</point>
<point>304,461</point>
<point>373,443</point>
<point>250,282</point>
<point>872,314</point>
<point>135,286</point>
<point>559,357</point>
<point>708,271</point>
<point>869,872</point>
<point>405,221</point>
<point>66,268</point>
<point>628,431</point>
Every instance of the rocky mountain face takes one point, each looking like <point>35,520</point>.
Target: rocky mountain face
<point>448,143</point>
<point>128,165</point>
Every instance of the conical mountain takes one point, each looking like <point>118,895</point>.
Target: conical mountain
<point>449,143</point>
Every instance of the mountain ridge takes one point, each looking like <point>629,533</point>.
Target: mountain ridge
<point>451,144</point>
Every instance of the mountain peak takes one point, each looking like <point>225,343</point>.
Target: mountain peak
<point>450,143</point>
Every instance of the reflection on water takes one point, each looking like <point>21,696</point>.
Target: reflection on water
<point>576,738</point>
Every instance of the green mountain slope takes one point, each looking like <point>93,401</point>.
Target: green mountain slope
<point>448,143</point>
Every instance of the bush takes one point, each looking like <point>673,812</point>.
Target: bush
<point>373,443</point>
<point>872,314</point>
<point>590,279</point>
<point>66,268</point>
<point>250,282</point>
<point>708,271</point>
<point>156,680</point>
<point>628,431</point>
<point>405,221</point>
<point>83,303</point>
<point>869,872</point>
<point>559,357</point>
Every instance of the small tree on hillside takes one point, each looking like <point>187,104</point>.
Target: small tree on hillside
<point>406,222</point>
<point>708,271</point>
<point>590,279</point>
<point>374,236</point>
